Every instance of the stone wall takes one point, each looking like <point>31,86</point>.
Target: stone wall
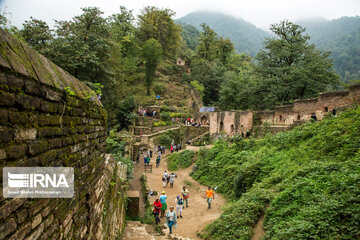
<point>43,124</point>
<point>282,117</point>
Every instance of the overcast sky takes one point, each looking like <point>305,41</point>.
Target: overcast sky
<point>259,12</point>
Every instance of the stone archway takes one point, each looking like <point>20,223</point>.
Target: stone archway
<point>203,120</point>
<point>221,126</point>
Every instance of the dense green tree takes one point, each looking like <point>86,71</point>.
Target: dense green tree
<point>207,44</point>
<point>238,84</point>
<point>210,75</point>
<point>125,114</point>
<point>37,34</point>
<point>291,68</point>
<point>158,24</point>
<point>152,53</point>
<point>224,49</point>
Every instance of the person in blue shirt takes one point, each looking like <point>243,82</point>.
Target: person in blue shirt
<point>163,198</point>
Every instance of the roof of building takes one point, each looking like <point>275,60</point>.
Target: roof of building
<point>207,109</point>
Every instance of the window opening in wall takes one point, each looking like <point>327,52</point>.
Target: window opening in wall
<point>221,126</point>
<point>281,118</point>
<point>232,128</point>
<point>326,109</point>
<point>298,117</point>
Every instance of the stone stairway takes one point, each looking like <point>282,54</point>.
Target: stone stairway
<point>135,230</point>
<point>199,137</point>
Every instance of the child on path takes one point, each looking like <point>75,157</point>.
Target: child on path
<point>209,194</point>
<point>179,205</point>
<point>157,209</point>
<point>185,195</point>
<point>163,198</point>
<point>171,219</point>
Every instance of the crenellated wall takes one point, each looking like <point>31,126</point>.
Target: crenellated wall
<point>282,117</point>
<point>43,124</point>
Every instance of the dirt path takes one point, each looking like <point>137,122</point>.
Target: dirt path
<point>197,216</point>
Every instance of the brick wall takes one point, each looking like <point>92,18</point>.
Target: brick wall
<point>42,124</point>
<point>284,116</point>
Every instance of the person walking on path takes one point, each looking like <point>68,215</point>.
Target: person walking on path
<point>158,161</point>
<point>179,205</point>
<point>172,179</point>
<point>163,148</point>
<point>151,153</point>
<point>185,196</point>
<point>171,149</point>
<point>145,159</point>
<point>171,219</point>
<point>164,178</point>
<point>157,209</point>
<point>163,198</point>
<point>148,160</point>
<point>209,195</point>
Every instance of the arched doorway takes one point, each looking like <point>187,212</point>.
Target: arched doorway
<point>232,128</point>
<point>326,109</point>
<point>203,120</point>
<point>281,118</point>
<point>221,126</point>
<point>298,117</point>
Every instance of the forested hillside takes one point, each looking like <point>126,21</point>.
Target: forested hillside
<point>127,60</point>
<point>306,181</point>
<point>341,37</point>
<point>247,38</point>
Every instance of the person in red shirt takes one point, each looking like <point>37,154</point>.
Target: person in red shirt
<point>157,209</point>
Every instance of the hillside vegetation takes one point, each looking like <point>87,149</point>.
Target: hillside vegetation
<point>306,181</point>
<point>341,37</point>
<point>247,37</point>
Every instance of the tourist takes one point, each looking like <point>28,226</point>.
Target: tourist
<point>158,161</point>
<point>157,209</point>
<point>209,195</point>
<point>172,177</point>
<point>171,149</point>
<point>185,196</point>
<point>164,178</point>
<point>163,198</point>
<point>171,219</point>
<point>179,205</point>
<point>151,152</point>
<point>163,149</point>
<point>148,160</point>
<point>145,159</point>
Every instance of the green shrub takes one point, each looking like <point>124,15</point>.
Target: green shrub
<point>116,148</point>
<point>159,88</point>
<point>180,160</point>
<point>162,123</point>
<point>165,116</point>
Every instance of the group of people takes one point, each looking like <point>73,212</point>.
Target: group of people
<point>175,147</point>
<point>160,207</point>
<point>168,178</point>
<point>192,122</point>
<point>147,113</point>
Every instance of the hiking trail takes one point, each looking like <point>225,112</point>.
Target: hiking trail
<point>195,217</point>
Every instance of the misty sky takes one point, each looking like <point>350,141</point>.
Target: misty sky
<point>259,12</point>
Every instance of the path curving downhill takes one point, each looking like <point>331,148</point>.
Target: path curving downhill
<point>197,216</point>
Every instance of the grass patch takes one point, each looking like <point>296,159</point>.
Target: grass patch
<point>183,159</point>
